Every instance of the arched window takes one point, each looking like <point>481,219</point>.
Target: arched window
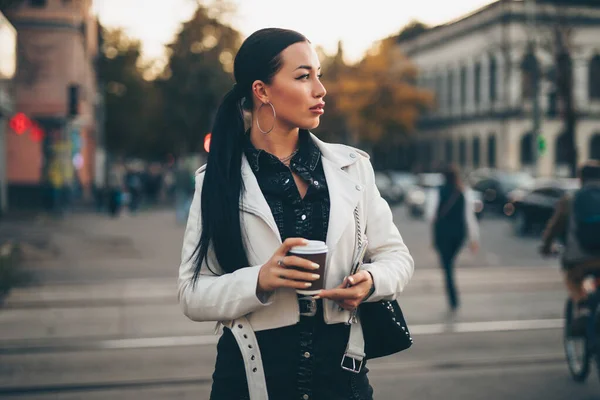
<point>439,89</point>
<point>450,90</point>
<point>492,81</point>
<point>561,155</point>
<point>527,149</point>
<point>595,147</point>
<point>463,87</point>
<point>529,75</point>
<point>477,83</point>
<point>449,151</point>
<point>462,152</point>
<point>476,152</point>
<point>491,150</point>
<point>594,78</point>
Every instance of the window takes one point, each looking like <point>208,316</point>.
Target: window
<point>476,152</point>
<point>450,90</point>
<point>527,149</point>
<point>439,90</point>
<point>449,151</point>
<point>491,148</point>
<point>529,75</point>
<point>492,81</point>
<point>463,87</point>
<point>561,155</point>
<point>38,3</point>
<point>594,78</point>
<point>462,152</point>
<point>595,147</point>
<point>477,83</point>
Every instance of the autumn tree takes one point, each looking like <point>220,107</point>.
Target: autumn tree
<point>198,75</point>
<point>377,97</point>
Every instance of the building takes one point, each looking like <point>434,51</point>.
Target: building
<point>480,69</point>
<point>8,63</point>
<point>55,87</point>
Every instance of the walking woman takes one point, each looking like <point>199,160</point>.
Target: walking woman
<point>265,189</point>
<point>452,214</point>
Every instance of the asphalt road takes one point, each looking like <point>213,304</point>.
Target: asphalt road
<point>117,333</point>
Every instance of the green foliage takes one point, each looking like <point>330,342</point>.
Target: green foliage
<point>133,122</point>
<point>198,75</point>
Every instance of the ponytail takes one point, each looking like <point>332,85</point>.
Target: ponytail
<point>221,191</point>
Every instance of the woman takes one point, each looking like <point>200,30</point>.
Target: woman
<point>262,192</point>
<point>452,213</point>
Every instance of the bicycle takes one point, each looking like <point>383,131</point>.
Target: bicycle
<point>580,349</point>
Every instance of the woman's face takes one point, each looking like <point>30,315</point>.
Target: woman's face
<point>296,91</point>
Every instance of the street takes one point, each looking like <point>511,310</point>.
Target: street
<point>102,320</point>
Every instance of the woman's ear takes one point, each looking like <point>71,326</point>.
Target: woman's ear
<point>260,91</point>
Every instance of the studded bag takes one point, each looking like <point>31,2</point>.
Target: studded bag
<point>384,328</point>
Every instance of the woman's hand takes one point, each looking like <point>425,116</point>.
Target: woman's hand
<point>349,298</point>
<point>276,272</point>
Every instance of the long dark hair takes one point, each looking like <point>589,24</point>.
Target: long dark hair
<point>259,58</point>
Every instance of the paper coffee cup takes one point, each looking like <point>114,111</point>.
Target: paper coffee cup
<point>315,251</point>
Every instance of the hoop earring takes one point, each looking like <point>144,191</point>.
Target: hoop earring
<point>274,117</point>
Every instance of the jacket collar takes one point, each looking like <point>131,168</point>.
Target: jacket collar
<point>344,190</point>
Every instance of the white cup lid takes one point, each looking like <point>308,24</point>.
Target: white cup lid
<point>313,247</point>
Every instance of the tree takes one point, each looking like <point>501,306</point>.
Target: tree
<point>412,30</point>
<point>131,125</point>
<point>377,97</point>
<point>198,75</point>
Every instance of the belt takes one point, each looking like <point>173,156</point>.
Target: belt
<point>309,306</point>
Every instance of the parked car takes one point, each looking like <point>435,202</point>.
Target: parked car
<point>531,208</point>
<point>495,186</point>
<point>401,182</point>
<point>419,194</point>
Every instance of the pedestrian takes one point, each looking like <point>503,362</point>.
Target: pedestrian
<point>576,221</point>
<point>451,212</point>
<point>263,191</point>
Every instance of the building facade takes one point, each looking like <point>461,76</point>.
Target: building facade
<point>480,69</point>
<point>8,63</point>
<point>55,87</point>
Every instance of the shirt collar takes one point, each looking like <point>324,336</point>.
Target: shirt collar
<point>308,153</point>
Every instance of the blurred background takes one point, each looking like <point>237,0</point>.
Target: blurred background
<point>106,108</point>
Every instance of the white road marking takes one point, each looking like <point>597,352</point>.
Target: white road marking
<point>416,330</point>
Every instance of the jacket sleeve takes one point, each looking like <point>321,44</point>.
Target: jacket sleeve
<point>213,297</point>
<point>390,262</point>
<point>470,217</point>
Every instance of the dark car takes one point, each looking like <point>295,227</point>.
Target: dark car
<point>531,209</point>
<point>495,187</point>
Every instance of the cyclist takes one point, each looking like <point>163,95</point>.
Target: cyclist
<point>576,221</point>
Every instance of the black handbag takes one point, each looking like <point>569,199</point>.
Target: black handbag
<point>384,328</point>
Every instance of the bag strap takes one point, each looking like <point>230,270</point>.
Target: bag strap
<point>451,201</point>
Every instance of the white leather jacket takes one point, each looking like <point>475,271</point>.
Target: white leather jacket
<point>351,183</point>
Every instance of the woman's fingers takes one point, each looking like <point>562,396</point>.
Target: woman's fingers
<point>294,261</point>
<point>289,243</point>
<point>295,275</point>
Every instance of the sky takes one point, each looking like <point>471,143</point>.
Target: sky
<point>358,24</point>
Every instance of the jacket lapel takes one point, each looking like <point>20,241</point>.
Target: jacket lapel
<point>253,200</point>
<point>344,191</point>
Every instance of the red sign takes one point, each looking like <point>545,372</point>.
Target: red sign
<point>207,142</point>
<point>19,123</point>
<point>37,133</point>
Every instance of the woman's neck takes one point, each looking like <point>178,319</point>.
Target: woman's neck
<point>280,143</point>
